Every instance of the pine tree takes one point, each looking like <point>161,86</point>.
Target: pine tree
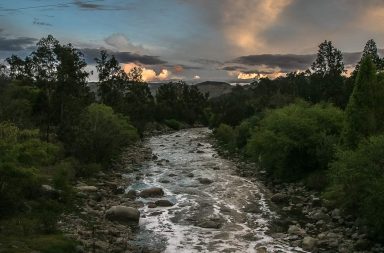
<point>362,117</point>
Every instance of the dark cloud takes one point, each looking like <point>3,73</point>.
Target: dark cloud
<point>285,62</point>
<point>186,67</point>
<point>123,57</point>
<point>37,21</point>
<point>16,44</point>
<point>206,61</point>
<point>88,5</point>
<point>233,68</point>
<point>92,5</point>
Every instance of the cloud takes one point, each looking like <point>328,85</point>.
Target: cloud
<point>16,44</point>
<point>196,77</point>
<point>286,62</point>
<point>37,21</point>
<point>121,43</point>
<point>149,74</point>
<point>283,62</point>
<point>123,57</point>
<point>92,5</point>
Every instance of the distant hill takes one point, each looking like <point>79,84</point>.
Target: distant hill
<point>215,89</point>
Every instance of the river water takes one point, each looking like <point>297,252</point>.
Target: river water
<point>215,210</point>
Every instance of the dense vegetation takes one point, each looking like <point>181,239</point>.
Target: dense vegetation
<point>53,130</point>
<point>319,127</point>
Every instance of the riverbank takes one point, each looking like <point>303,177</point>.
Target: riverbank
<point>94,196</point>
<point>304,217</point>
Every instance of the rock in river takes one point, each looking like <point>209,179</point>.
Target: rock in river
<point>203,180</point>
<point>123,214</point>
<point>152,192</point>
<point>164,202</point>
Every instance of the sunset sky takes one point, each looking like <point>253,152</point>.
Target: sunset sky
<point>227,40</point>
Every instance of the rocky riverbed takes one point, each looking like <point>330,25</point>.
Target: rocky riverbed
<point>175,193</point>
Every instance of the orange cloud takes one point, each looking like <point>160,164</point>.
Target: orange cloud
<point>148,74</point>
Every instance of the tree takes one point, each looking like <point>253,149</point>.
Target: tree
<point>326,74</point>
<point>329,60</point>
<point>370,50</point>
<point>362,115</point>
<point>113,81</point>
<point>177,100</point>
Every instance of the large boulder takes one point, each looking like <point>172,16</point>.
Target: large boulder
<point>123,214</point>
<point>152,192</point>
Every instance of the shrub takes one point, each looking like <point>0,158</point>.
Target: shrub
<point>101,134</point>
<point>174,124</point>
<point>357,182</point>
<point>23,155</point>
<point>295,140</point>
<point>224,134</point>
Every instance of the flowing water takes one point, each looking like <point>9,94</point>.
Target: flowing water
<point>215,210</point>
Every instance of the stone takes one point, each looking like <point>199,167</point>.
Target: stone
<point>203,180</point>
<point>362,244</point>
<point>209,224</point>
<point>131,194</point>
<point>86,188</point>
<point>261,250</point>
<point>296,230</point>
<point>152,192</point>
<point>308,243</point>
<point>252,208</point>
<point>190,175</point>
<point>151,205</point>
<point>123,214</point>
<point>335,214</point>
<point>164,203</point>
<point>279,198</point>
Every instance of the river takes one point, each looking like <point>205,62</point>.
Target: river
<point>215,210</point>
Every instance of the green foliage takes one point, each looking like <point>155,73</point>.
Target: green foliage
<point>363,117</point>
<point>296,140</point>
<point>174,124</point>
<point>231,108</point>
<point>101,135</point>
<point>224,134</point>
<point>180,101</point>
<point>17,103</point>
<point>357,181</point>
<point>23,154</point>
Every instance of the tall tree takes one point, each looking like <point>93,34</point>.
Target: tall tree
<point>326,75</point>
<point>113,81</point>
<point>362,116</point>
<point>329,60</point>
<point>370,49</point>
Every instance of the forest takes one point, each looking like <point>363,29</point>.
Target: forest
<point>321,127</point>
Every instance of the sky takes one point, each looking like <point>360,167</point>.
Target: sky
<point>196,40</point>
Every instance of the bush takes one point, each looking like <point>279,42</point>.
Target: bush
<point>101,134</point>
<point>357,182</point>
<point>225,135</point>
<point>174,124</point>
<point>295,140</point>
<point>23,155</point>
